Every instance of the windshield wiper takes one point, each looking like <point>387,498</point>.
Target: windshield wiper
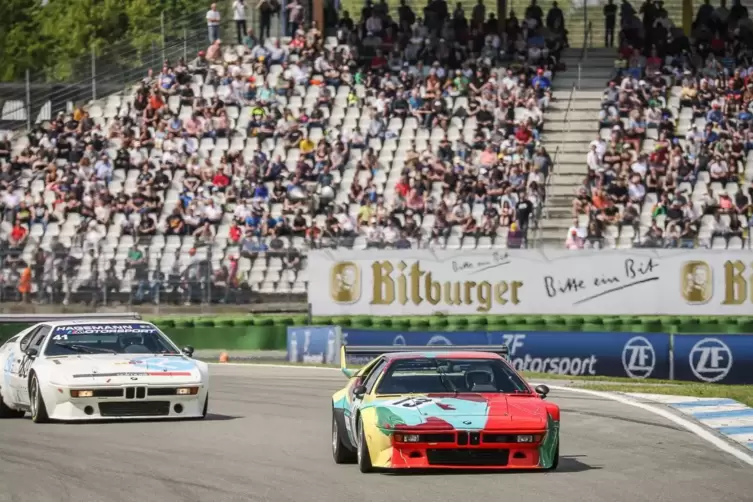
<point>85,348</point>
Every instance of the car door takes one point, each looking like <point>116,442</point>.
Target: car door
<point>19,374</point>
<point>368,381</point>
<point>7,358</point>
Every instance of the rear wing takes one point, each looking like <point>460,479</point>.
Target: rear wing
<point>369,353</point>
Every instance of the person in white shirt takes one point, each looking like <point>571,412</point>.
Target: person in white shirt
<point>213,23</point>
<point>593,160</point>
<point>239,16</point>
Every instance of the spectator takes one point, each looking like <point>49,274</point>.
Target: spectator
<point>295,16</point>
<point>213,23</point>
<point>239,16</point>
<point>266,9</point>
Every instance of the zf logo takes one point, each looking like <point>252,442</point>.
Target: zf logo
<point>638,357</point>
<point>710,360</point>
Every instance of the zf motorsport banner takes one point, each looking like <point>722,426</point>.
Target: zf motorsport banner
<point>426,282</point>
<point>705,358</point>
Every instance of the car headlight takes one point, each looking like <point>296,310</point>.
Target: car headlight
<point>525,438</point>
<point>82,393</point>
<point>187,391</point>
<point>408,438</point>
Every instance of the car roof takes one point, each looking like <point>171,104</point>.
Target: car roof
<point>443,354</point>
<point>96,322</point>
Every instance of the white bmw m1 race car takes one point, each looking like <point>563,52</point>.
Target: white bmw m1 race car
<point>100,370</point>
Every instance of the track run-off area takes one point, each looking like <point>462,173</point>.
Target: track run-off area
<point>268,438</point>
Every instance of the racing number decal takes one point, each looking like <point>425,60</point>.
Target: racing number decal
<point>60,337</point>
<point>412,402</point>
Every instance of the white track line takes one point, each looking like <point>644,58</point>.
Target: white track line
<point>266,365</point>
<point>691,426</point>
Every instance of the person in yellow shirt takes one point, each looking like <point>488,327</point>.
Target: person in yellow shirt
<point>306,146</point>
<point>364,213</point>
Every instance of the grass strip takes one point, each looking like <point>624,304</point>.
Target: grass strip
<point>740,393</point>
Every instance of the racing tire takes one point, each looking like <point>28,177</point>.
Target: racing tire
<point>38,409</point>
<point>362,455</point>
<point>206,407</point>
<point>8,412</point>
<point>340,453</point>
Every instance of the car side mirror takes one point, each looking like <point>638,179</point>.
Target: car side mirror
<point>32,352</point>
<point>359,390</point>
<point>188,350</point>
<point>542,390</point>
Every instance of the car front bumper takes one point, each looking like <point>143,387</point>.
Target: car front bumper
<point>62,406</point>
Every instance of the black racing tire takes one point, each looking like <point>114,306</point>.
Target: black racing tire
<point>8,412</point>
<point>38,408</point>
<point>340,453</point>
<point>362,455</point>
<point>206,407</point>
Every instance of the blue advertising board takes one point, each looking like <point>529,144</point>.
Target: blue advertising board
<point>314,344</point>
<point>724,359</point>
<point>705,358</point>
<point>589,354</point>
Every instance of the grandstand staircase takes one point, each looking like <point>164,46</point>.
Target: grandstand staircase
<point>571,125</point>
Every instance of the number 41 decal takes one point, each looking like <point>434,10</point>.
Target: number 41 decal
<point>60,337</point>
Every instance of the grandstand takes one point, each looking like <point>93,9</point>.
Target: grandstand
<point>179,182</point>
<point>220,172</point>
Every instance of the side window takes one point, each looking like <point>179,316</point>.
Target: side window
<point>40,336</point>
<point>26,340</point>
<point>374,376</point>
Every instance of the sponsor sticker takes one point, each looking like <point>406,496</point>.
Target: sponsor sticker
<point>88,329</point>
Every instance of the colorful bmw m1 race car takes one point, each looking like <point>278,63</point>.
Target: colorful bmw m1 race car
<point>465,408</point>
<point>109,369</point>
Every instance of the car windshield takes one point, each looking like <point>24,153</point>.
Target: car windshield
<point>437,375</point>
<point>108,339</point>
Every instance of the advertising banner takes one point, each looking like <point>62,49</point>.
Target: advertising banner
<point>536,282</point>
<point>314,344</point>
<point>724,359</point>
<point>585,354</point>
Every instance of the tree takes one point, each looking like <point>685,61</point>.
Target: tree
<point>55,40</point>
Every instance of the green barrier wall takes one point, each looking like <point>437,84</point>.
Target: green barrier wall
<point>269,332</point>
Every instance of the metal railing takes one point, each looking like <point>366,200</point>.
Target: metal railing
<point>587,40</point>
<point>111,70</point>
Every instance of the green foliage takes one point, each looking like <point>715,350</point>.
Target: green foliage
<point>55,41</point>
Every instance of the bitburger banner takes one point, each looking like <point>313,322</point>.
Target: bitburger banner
<point>427,282</point>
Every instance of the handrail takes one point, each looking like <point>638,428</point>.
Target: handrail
<point>548,182</point>
<point>587,38</point>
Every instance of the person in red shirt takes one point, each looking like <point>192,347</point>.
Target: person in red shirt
<point>402,187</point>
<point>235,233</point>
<point>221,181</point>
<point>18,235</point>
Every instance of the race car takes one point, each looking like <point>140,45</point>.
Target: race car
<point>460,408</point>
<point>100,369</point>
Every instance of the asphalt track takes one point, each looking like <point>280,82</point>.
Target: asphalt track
<point>268,439</point>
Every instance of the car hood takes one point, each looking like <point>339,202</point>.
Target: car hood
<point>464,411</point>
<point>114,369</point>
